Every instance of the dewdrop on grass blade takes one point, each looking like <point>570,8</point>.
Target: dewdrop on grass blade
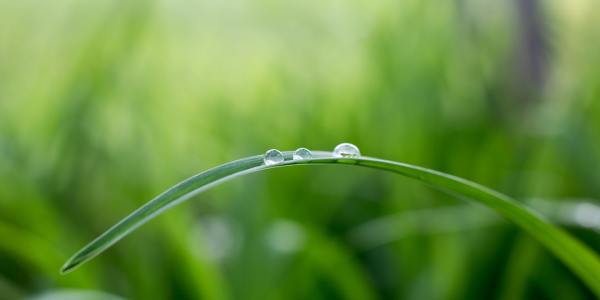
<point>273,157</point>
<point>346,150</point>
<point>302,153</point>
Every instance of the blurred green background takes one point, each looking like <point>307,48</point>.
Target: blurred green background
<point>105,104</point>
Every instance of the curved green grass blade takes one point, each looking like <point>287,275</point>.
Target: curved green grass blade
<point>573,253</point>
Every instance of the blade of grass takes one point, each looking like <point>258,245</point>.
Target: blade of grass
<point>570,251</point>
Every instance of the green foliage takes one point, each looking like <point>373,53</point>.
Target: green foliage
<point>104,104</point>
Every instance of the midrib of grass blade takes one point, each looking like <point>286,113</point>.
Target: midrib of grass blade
<point>573,253</point>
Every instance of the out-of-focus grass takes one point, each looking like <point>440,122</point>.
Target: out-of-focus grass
<point>102,103</point>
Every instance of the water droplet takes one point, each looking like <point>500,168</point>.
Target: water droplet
<point>273,157</point>
<point>302,153</point>
<point>346,150</point>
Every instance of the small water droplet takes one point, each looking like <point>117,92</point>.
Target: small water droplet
<point>302,153</point>
<point>273,156</point>
<point>346,150</point>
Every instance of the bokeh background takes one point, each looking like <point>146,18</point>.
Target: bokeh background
<point>105,104</point>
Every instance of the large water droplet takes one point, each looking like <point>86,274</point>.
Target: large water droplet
<point>346,150</point>
<point>302,153</point>
<point>273,156</point>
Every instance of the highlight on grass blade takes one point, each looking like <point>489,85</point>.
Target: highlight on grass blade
<point>578,257</point>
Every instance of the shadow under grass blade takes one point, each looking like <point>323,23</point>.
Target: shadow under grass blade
<point>579,258</point>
